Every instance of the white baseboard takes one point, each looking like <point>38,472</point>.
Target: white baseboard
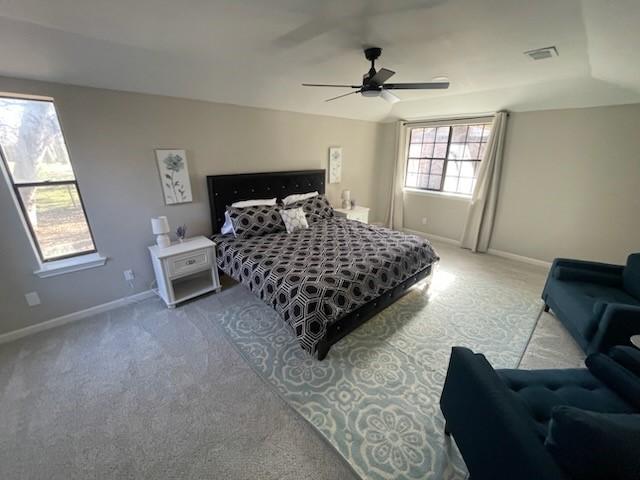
<point>491,251</point>
<point>431,236</point>
<point>73,317</point>
<point>519,258</point>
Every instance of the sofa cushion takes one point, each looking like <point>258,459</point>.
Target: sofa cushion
<point>615,376</point>
<point>579,300</point>
<point>628,357</point>
<point>595,446</point>
<point>539,391</point>
<point>631,275</point>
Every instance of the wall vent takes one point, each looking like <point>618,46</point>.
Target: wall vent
<point>542,53</point>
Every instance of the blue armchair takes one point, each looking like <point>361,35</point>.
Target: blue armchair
<point>598,303</point>
<point>545,424</point>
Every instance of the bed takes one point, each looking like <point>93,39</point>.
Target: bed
<point>323,281</point>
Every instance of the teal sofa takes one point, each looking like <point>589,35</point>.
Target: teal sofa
<point>598,303</point>
<point>567,424</point>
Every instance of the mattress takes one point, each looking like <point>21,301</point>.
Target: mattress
<point>314,277</point>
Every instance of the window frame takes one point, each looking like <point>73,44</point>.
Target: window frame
<point>17,197</point>
<point>483,120</point>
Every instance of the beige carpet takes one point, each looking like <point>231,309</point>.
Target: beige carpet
<point>145,392</point>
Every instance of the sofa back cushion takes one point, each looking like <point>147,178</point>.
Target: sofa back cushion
<point>622,381</point>
<point>631,275</point>
<point>590,445</point>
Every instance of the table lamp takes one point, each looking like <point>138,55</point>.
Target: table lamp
<point>160,227</point>
<point>346,199</point>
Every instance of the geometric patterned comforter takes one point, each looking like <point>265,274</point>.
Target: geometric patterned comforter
<point>313,277</point>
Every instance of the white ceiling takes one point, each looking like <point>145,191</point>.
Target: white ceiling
<point>258,52</point>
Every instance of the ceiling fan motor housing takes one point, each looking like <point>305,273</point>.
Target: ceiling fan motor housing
<point>372,53</point>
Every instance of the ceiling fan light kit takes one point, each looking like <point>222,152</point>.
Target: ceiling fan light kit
<point>374,82</point>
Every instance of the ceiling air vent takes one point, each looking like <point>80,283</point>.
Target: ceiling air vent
<point>542,53</point>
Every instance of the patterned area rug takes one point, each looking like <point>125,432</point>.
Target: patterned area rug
<point>375,397</point>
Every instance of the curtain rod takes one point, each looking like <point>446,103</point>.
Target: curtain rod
<point>446,119</point>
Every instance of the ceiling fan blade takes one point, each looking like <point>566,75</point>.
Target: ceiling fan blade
<point>381,76</point>
<point>329,85</point>
<point>388,96</point>
<point>417,86</point>
<point>340,96</point>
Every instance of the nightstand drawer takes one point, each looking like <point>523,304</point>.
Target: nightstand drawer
<point>192,262</point>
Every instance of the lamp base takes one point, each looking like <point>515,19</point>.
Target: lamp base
<point>163,241</point>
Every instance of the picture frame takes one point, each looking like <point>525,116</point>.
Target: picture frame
<point>335,164</point>
<point>174,176</point>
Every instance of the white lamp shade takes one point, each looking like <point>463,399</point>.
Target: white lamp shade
<point>160,225</point>
<point>346,195</point>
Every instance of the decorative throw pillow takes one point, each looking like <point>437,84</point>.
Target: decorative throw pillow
<point>590,445</point>
<point>315,208</point>
<point>615,376</point>
<point>628,357</point>
<point>256,220</point>
<point>631,275</point>
<point>294,219</point>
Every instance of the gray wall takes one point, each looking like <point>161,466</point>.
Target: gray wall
<point>570,187</point>
<point>111,137</point>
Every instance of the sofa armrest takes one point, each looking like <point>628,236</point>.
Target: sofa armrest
<point>495,435</point>
<point>619,322</point>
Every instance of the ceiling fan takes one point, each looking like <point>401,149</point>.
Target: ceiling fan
<point>374,82</point>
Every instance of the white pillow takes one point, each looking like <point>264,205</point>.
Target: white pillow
<point>298,196</point>
<point>294,219</point>
<point>254,203</point>
<point>227,228</point>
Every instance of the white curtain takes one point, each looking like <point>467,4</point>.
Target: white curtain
<point>477,231</point>
<point>396,206</point>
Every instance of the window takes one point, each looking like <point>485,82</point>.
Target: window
<point>37,166</point>
<point>445,158</point>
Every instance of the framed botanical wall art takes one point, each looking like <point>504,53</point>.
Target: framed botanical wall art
<point>174,176</point>
<point>335,164</point>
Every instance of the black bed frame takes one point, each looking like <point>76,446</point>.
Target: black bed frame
<point>226,189</point>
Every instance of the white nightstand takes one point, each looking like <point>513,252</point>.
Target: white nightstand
<point>361,214</point>
<point>185,270</point>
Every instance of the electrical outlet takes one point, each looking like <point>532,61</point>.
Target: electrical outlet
<point>128,275</point>
<point>424,220</point>
<point>32,298</point>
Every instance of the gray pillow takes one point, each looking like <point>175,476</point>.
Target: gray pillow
<point>316,208</point>
<point>257,220</point>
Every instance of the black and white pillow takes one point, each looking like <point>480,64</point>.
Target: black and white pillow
<point>256,220</point>
<point>316,208</point>
<point>294,219</point>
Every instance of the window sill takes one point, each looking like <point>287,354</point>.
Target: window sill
<point>68,265</point>
<point>430,193</point>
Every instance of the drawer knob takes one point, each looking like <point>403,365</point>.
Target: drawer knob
<point>191,261</point>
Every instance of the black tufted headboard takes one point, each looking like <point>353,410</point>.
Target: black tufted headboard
<point>226,189</point>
